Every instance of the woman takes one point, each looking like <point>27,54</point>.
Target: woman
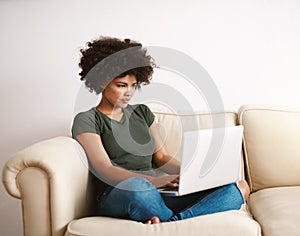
<point>122,142</point>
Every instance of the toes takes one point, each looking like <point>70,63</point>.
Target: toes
<point>153,220</point>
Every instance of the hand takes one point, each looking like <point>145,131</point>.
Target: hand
<point>166,181</point>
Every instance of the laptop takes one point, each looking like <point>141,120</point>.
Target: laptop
<point>210,158</point>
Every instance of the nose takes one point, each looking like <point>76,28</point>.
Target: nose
<point>129,91</point>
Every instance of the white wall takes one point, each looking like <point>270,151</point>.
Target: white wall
<point>250,48</point>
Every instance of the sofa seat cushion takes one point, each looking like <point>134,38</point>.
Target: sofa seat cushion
<point>227,223</point>
<point>277,210</point>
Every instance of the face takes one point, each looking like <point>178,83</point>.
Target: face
<point>119,91</point>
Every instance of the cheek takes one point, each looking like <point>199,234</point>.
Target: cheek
<point>113,94</point>
<point>117,93</point>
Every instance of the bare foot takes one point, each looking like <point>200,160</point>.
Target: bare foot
<point>153,220</point>
<point>244,188</point>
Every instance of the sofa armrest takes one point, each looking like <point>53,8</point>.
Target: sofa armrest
<point>53,182</point>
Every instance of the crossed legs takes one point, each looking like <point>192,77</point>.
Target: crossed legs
<point>139,200</point>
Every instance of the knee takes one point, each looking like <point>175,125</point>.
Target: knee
<point>136,184</point>
<point>139,190</point>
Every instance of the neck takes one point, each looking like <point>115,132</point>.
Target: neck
<point>110,110</point>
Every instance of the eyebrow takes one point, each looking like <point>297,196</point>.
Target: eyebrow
<point>121,82</point>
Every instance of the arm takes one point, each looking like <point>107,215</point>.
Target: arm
<point>161,157</point>
<point>112,175</point>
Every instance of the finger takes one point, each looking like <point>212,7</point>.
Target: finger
<point>175,180</point>
<point>173,185</point>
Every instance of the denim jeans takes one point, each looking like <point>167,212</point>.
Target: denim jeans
<point>137,199</point>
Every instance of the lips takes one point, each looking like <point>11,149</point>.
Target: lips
<point>125,100</point>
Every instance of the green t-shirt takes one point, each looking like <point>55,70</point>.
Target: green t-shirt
<point>128,143</point>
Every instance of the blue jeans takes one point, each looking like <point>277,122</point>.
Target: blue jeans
<point>137,199</point>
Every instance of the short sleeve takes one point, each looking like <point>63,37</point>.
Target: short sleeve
<point>148,114</point>
<point>86,122</point>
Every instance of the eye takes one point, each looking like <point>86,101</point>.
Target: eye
<point>121,85</point>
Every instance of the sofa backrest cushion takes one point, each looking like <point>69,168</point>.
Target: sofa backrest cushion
<point>271,145</point>
<point>173,124</point>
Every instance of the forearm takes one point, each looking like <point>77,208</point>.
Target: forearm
<point>113,175</point>
<point>168,164</point>
<point>108,173</point>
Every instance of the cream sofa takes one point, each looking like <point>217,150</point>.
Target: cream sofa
<point>272,155</point>
<point>56,189</point>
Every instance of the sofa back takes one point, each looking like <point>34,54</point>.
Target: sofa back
<point>271,145</point>
<point>173,124</point>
